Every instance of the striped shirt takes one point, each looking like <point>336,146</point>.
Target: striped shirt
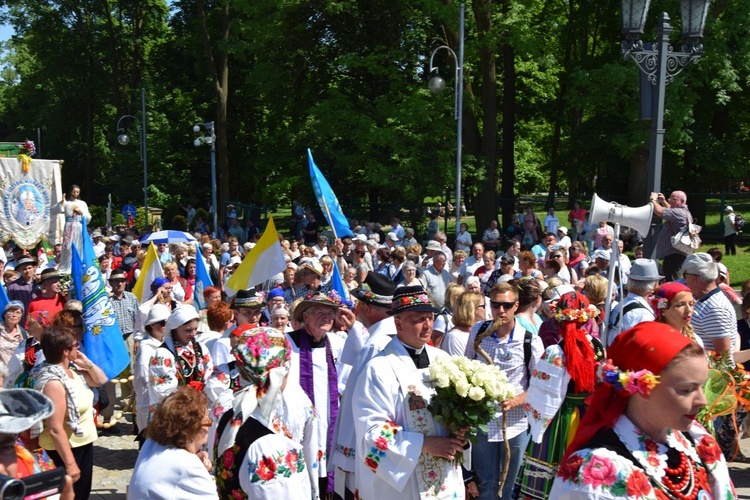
<point>714,318</point>
<point>508,355</point>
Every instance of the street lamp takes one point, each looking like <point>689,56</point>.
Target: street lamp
<point>437,85</point>
<point>659,64</point>
<point>209,139</point>
<point>124,139</point>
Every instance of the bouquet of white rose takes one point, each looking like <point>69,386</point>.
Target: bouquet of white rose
<point>467,393</point>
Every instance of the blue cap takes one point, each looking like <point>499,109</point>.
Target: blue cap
<point>276,292</point>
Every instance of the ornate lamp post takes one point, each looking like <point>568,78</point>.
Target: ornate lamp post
<point>437,85</point>
<point>124,139</point>
<point>210,139</point>
<point>660,63</point>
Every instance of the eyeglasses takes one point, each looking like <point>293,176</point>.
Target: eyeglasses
<point>480,306</point>
<point>505,305</point>
<point>75,345</point>
<point>685,275</point>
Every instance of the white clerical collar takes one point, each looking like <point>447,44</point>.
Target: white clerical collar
<point>413,349</point>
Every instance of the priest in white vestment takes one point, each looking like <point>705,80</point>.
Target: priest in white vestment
<point>402,451</point>
<point>374,298</point>
<point>316,350</point>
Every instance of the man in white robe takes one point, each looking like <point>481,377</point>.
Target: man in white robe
<point>374,298</point>
<point>403,452</point>
<point>316,350</point>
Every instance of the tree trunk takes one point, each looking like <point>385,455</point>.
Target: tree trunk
<point>220,78</point>
<point>485,208</point>
<point>507,194</point>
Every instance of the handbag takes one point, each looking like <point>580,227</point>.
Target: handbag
<point>687,240</point>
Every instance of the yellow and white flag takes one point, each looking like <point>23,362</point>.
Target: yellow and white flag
<point>264,261</point>
<point>150,270</point>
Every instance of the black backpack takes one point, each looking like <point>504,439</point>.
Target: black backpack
<point>526,345</point>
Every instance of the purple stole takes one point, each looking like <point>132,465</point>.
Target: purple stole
<point>306,381</point>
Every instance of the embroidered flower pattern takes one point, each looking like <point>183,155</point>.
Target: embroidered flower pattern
<point>346,451</point>
<point>709,450</point>
<point>387,436</point>
<point>281,464</point>
<point>599,471</point>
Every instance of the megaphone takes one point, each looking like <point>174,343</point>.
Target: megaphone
<point>638,218</point>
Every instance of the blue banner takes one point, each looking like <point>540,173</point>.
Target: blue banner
<point>102,338</point>
<point>202,279</point>
<point>328,202</point>
<point>337,284</point>
<point>3,298</point>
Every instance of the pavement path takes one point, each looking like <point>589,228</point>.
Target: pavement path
<point>115,453</point>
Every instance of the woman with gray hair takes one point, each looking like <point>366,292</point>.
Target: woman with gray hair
<point>409,270</point>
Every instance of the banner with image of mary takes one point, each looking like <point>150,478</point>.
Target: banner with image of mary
<point>29,201</point>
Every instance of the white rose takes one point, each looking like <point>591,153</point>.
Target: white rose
<point>476,393</point>
<point>462,388</point>
<point>442,380</point>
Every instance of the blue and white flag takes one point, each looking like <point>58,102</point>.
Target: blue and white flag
<point>337,284</point>
<point>102,339</point>
<point>328,202</point>
<point>3,298</point>
<point>202,279</point>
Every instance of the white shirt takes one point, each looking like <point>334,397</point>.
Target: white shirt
<point>169,473</point>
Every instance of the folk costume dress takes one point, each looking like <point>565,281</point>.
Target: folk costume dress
<point>624,463</point>
<point>257,454</point>
<point>391,421</point>
<point>554,409</point>
<point>174,364</point>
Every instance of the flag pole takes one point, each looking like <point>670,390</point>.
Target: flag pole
<point>330,221</point>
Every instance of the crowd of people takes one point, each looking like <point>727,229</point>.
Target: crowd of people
<point>292,390</point>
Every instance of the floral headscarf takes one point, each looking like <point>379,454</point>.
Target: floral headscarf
<point>666,293</point>
<point>573,311</point>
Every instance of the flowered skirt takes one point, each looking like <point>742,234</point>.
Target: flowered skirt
<point>541,461</point>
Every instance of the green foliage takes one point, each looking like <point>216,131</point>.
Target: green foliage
<point>179,222</point>
<point>98,216</point>
<point>348,80</point>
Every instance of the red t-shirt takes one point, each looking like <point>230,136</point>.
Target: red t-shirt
<point>52,306</point>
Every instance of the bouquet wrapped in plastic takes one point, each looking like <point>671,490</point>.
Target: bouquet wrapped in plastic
<point>728,386</point>
<point>467,393</point>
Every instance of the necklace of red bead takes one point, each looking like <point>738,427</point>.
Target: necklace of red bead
<point>684,479</point>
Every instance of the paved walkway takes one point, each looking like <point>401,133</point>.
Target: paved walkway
<point>115,453</point>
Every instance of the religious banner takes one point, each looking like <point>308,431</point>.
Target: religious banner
<point>30,201</point>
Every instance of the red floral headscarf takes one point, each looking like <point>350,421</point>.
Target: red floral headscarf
<point>647,346</point>
<point>573,310</point>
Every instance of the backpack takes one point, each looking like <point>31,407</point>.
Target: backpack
<point>527,336</point>
<point>614,321</point>
<point>739,223</point>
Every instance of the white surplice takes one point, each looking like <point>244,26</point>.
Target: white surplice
<point>344,438</point>
<point>391,421</point>
<point>320,390</point>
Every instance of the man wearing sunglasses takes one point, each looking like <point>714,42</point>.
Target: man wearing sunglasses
<point>516,352</point>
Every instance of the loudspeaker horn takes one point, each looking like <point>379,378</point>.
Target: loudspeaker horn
<point>638,218</point>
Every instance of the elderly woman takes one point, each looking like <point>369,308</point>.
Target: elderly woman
<point>181,290</point>
<point>260,454</point>
<point>180,360</point>
<point>459,256</point>
<point>11,332</point>
<point>469,310</point>
<point>69,433</point>
<point>564,376</point>
<point>485,272</point>
<point>171,463</point>
<point>409,271</point>
<point>155,326</point>
<point>639,438</point>
<point>463,239</point>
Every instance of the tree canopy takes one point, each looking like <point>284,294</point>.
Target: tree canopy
<point>550,103</point>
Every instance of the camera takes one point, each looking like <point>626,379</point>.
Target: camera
<point>39,485</point>
<point>11,488</point>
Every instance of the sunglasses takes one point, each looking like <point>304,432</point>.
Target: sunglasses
<point>505,305</point>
